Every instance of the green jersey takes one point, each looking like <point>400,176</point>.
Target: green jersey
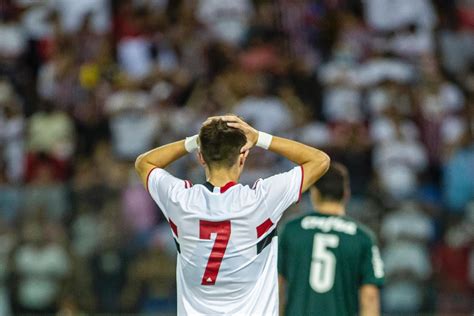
<point>324,260</point>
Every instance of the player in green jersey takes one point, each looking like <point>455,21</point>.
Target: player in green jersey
<point>328,263</point>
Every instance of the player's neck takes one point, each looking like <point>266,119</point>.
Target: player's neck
<point>331,208</point>
<point>220,177</point>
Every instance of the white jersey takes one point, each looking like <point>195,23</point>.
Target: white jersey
<point>226,241</point>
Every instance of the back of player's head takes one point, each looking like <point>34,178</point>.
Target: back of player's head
<point>334,184</point>
<point>220,144</point>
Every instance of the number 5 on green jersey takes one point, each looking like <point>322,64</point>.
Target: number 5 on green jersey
<point>323,264</point>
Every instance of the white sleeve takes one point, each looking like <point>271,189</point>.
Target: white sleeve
<point>281,190</point>
<point>161,185</point>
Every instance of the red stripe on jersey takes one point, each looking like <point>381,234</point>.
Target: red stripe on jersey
<point>147,177</point>
<point>264,227</point>
<point>174,228</point>
<point>227,186</point>
<point>301,184</point>
<point>186,184</point>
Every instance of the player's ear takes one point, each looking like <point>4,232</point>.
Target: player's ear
<point>347,193</point>
<point>242,157</point>
<point>201,159</point>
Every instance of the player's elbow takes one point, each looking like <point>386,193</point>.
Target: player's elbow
<point>322,161</point>
<point>326,161</point>
<point>315,168</point>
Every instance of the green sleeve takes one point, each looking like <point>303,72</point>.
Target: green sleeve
<point>282,252</point>
<point>372,265</point>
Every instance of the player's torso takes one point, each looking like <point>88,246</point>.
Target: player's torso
<point>226,249</point>
<point>324,261</point>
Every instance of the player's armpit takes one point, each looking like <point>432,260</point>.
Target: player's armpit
<point>369,298</point>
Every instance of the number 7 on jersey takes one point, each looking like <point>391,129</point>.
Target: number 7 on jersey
<point>222,230</point>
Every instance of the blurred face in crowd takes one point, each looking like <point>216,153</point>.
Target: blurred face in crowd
<point>33,233</point>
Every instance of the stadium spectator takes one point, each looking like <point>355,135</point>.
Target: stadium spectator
<point>51,131</point>
<point>134,47</point>
<point>406,233</point>
<point>10,197</point>
<point>8,240</point>
<point>151,283</point>
<point>12,130</point>
<point>58,80</point>
<point>397,163</point>
<point>72,14</point>
<point>130,115</point>
<point>458,188</point>
<point>386,15</point>
<point>14,41</point>
<point>108,265</point>
<point>40,266</point>
<point>226,20</point>
<point>452,260</point>
<point>139,211</point>
<point>264,110</point>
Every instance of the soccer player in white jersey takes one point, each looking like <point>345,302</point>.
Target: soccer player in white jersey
<point>224,231</point>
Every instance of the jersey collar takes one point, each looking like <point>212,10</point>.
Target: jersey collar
<point>222,189</point>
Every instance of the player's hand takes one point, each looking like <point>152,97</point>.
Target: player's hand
<point>250,133</point>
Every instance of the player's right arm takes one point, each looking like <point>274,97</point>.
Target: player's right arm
<point>282,268</point>
<point>281,294</point>
<point>369,300</point>
<point>372,277</point>
<point>314,162</point>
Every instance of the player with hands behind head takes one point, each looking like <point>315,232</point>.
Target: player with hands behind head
<point>224,231</point>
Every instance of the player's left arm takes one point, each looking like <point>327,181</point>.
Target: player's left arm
<point>369,300</point>
<point>372,274</point>
<point>282,294</point>
<point>159,157</point>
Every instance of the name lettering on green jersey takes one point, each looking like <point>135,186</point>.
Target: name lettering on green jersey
<point>377,262</point>
<point>327,224</point>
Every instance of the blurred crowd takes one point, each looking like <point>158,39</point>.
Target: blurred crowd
<point>385,87</point>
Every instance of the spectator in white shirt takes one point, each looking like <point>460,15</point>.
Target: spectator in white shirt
<point>40,267</point>
<point>132,123</point>
<point>265,111</point>
<point>227,20</point>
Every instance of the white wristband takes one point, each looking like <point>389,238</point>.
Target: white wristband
<point>264,140</point>
<point>191,143</point>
